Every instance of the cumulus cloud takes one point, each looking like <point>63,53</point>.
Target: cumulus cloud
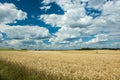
<point>66,4</point>
<point>19,36</point>
<point>23,37</point>
<point>77,29</point>
<point>65,35</point>
<point>75,22</point>
<point>9,13</point>
<point>111,8</point>
<point>72,18</point>
<point>98,38</point>
<point>25,32</point>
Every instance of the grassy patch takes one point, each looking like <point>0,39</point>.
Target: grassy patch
<point>14,71</point>
<point>4,49</point>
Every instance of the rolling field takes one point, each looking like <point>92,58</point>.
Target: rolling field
<point>63,65</point>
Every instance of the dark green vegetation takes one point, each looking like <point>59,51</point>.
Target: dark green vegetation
<point>12,49</point>
<point>14,71</point>
<point>99,49</point>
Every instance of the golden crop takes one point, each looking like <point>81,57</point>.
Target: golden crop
<point>69,65</point>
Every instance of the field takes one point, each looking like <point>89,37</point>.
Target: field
<point>60,65</point>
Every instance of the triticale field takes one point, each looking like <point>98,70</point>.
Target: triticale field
<point>68,65</point>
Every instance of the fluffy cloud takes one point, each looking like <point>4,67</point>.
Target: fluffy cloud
<point>25,32</point>
<point>77,29</point>
<point>9,13</point>
<point>66,35</point>
<point>112,8</point>
<point>23,37</point>
<point>98,38</point>
<point>72,18</point>
<point>75,23</point>
<point>66,4</point>
<point>19,36</point>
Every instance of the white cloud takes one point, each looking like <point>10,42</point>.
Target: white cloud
<point>75,17</point>
<point>9,13</point>
<point>96,3</point>
<point>72,18</point>
<point>45,8</point>
<point>66,4</point>
<point>114,45</point>
<point>66,34</point>
<point>1,36</point>
<point>47,1</point>
<point>18,37</point>
<point>108,21</point>
<point>25,32</point>
<point>74,23</point>
<point>112,8</point>
<point>52,19</point>
<point>98,38</point>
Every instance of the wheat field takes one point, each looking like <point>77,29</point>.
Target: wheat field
<point>69,65</point>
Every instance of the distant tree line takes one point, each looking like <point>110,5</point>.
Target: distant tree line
<point>99,49</point>
<point>24,49</point>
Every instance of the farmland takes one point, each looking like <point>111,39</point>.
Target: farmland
<point>60,65</point>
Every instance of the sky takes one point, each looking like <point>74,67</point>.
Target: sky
<point>59,24</point>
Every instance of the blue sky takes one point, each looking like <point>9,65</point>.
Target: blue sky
<point>57,24</point>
